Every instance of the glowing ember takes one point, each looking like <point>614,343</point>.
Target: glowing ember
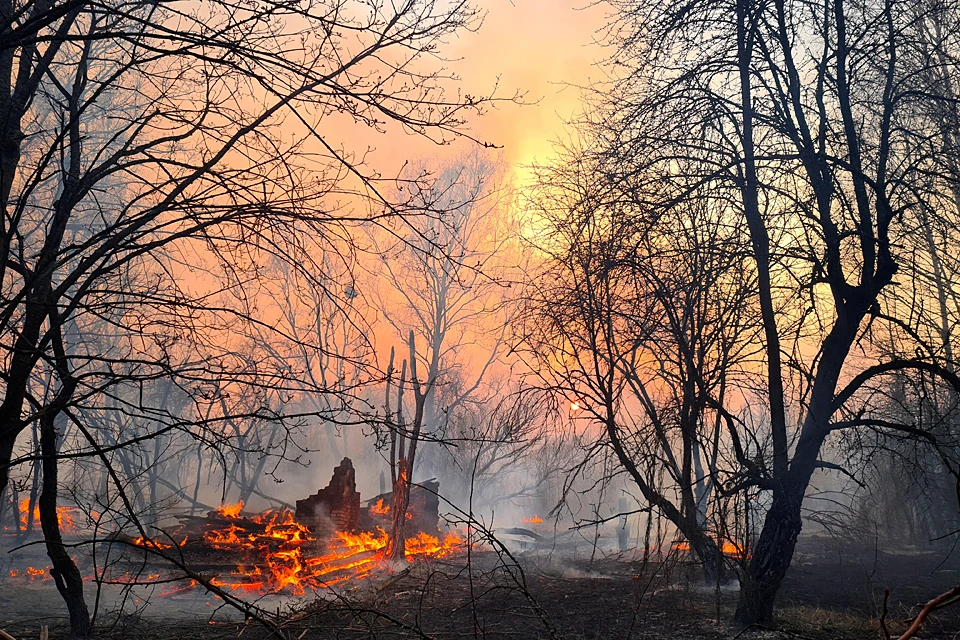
<point>148,543</point>
<point>151,544</point>
<point>532,520</point>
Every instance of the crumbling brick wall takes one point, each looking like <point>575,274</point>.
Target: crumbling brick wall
<point>334,508</point>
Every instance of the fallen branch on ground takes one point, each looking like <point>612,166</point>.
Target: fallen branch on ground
<point>943,600</point>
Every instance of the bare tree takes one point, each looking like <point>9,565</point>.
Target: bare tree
<point>495,443</point>
<point>449,279</point>
<point>154,157</point>
<point>327,346</point>
<point>405,438</point>
<point>799,121</point>
<point>924,490</point>
<point>642,321</point>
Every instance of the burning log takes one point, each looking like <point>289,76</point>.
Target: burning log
<point>334,508</point>
<point>328,540</point>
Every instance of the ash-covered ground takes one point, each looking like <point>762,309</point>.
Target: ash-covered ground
<point>835,589</point>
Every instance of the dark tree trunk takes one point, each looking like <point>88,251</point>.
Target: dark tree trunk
<point>708,552</point>
<point>705,549</point>
<point>771,559</point>
<point>34,491</point>
<point>773,551</point>
<point>8,439</point>
<point>65,573</point>
<point>396,545</point>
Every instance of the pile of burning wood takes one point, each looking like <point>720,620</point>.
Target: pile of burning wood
<point>329,539</point>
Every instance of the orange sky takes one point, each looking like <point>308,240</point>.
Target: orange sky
<point>533,47</point>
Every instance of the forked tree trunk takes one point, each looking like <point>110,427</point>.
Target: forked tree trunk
<point>773,551</point>
<point>404,456</point>
<point>65,573</point>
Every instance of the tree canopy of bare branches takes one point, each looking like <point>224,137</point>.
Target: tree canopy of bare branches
<point>155,160</point>
<point>821,135</point>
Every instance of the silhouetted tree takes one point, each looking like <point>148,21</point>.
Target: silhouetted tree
<point>799,121</point>
<point>642,319</point>
<point>153,157</point>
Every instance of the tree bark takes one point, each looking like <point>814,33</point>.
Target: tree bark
<point>64,570</point>
<point>782,525</point>
<point>397,542</point>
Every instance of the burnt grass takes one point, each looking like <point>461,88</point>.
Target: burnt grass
<point>835,589</point>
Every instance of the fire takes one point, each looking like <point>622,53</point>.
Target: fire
<point>230,511</point>
<point>225,538</point>
<point>532,520</point>
<point>728,548</point>
<point>279,554</point>
<point>380,509</point>
<point>423,544</point>
<point>31,573</point>
<point>148,543</point>
<point>151,544</point>
<point>731,549</point>
<point>363,541</point>
<point>293,568</point>
<point>574,405</point>
<point>64,516</point>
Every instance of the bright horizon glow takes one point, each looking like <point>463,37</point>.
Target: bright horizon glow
<point>542,50</point>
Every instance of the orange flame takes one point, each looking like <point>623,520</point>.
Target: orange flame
<point>64,516</point>
<point>532,520</point>
<point>148,543</point>
<point>274,553</point>
<point>424,544</point>
<point>230,511</point>
<point>380,509</point>
<point>728,548</point>
<point>286,556</point>
<point>32,573</point>
<point>151,544</point>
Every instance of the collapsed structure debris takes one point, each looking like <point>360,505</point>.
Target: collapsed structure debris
<point>423,510</point>
<point>335,507</point>
<point>327,539</point>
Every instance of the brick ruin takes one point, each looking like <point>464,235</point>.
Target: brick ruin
<point>337,506</point>
<point>334,508</point>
